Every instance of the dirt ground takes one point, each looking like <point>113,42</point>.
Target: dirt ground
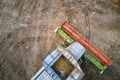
<point>27,33</point>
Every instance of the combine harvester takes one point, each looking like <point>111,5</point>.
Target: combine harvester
<point>66,63</point>
<point>62,64</point>
<point>98,58</point>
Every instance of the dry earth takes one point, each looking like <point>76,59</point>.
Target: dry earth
<point>27,33</point>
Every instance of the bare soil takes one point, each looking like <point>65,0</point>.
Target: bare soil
<point>27,33</point>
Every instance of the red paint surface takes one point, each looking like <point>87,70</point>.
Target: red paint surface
<point>87,44</point>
